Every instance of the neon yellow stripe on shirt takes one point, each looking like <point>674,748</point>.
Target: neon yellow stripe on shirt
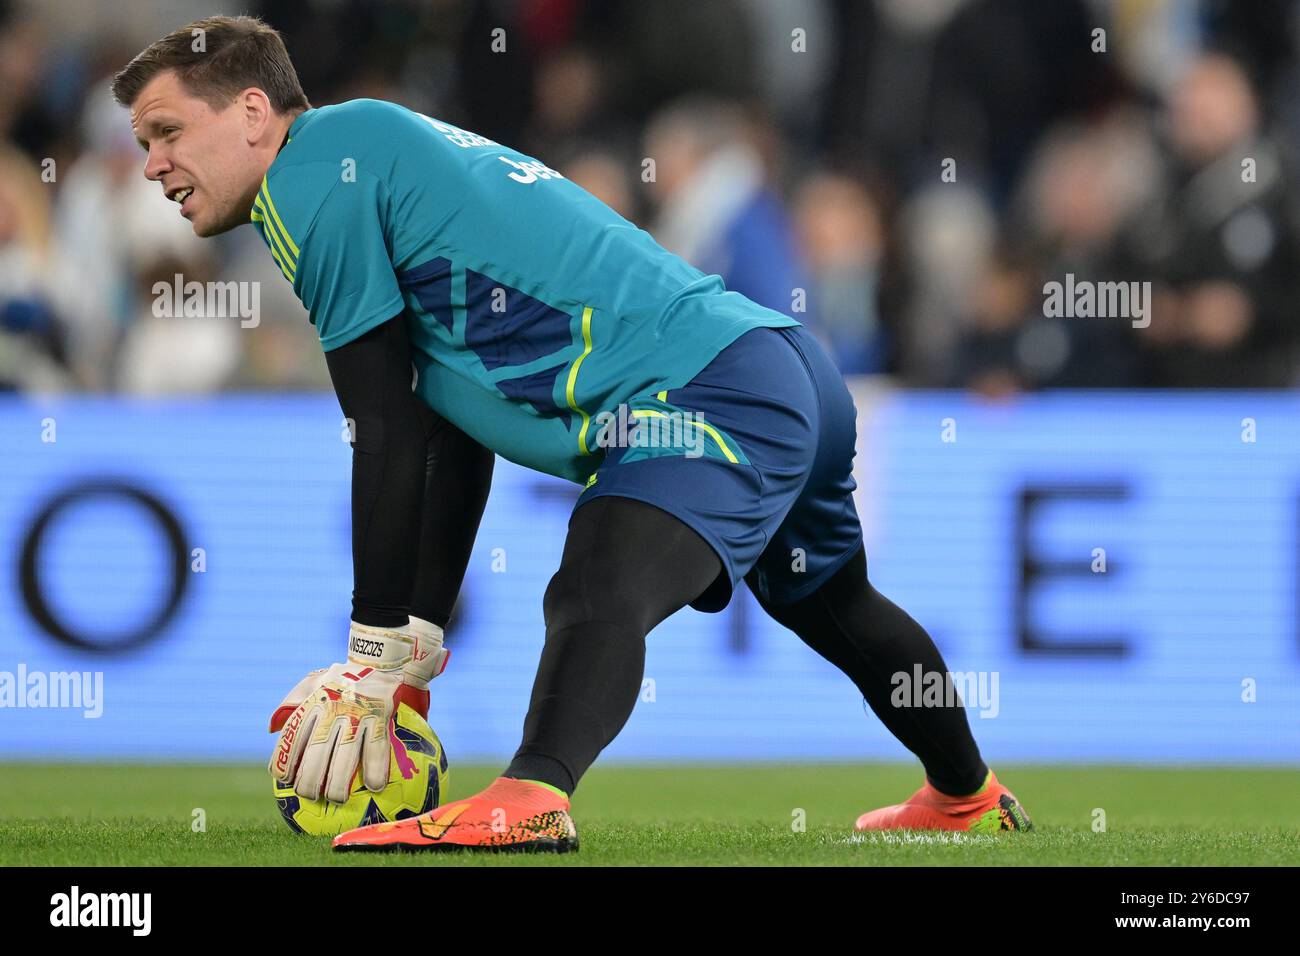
<point>287,262</point>
<point>266,191</point>
<point>257,217</point>
<point>573,378</point>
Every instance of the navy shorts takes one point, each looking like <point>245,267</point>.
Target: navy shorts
<point>756,455</point>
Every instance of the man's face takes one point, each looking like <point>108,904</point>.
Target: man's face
<point>210,161</point>
<point>1211,110</point>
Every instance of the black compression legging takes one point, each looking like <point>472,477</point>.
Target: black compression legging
<point>626,567</point>
<point>869,638</point>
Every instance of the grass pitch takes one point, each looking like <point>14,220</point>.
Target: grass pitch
<point>87,815</point>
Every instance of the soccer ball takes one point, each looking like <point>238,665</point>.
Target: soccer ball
<point>417,782</point>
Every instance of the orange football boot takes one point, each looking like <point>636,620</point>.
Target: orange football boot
<point>518,815</point>
<point>990,809</point>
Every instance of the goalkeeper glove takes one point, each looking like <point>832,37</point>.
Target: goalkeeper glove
<point>337,719</point>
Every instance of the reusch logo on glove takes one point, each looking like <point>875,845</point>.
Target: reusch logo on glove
<point>286,741</point>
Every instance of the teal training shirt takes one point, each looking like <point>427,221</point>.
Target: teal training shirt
<point>534,306</point>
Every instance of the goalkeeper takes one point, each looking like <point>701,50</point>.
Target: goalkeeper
<point>531,314</point>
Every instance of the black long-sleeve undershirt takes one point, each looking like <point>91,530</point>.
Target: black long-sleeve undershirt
<point>419,485</point>
<point>458,479</point>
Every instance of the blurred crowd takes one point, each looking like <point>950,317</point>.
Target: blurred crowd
<point>904,176</point>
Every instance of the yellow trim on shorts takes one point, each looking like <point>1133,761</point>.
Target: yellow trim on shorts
<point>712,432</point>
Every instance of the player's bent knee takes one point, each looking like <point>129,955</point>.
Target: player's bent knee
<point>573,597</point>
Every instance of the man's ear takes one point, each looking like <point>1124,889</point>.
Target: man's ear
<point>257,112</point>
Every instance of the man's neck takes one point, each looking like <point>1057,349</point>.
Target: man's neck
<point>292,118</point>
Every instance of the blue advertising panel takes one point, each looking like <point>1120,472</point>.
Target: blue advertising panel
<point>1115,574</point>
